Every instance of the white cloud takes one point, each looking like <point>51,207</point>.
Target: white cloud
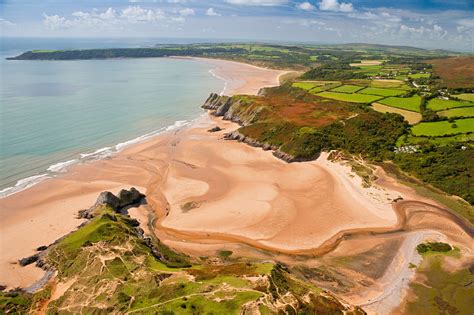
<point>4,22</point>
<point>212,12</point>
<point>306,6</point>
<point>258,2</point>
<point>112,18</point>
<point>55,22</point>
<point>468,23</point>
<point>136,14</point>
<point>423,32</point>
<point>186,12</point>
<point>334,5</point>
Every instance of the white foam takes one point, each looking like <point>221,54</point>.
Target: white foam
<point>99,153</point>
<point>61,167</point>
<point>96,155</point>
<point>211,71</point>
<point>178,124</point>
<point>23,184</point>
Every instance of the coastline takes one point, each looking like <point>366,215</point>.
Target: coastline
<point>244,195</point>
<point>45,210</point>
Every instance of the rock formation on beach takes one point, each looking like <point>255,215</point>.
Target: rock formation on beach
<point>125,198</point>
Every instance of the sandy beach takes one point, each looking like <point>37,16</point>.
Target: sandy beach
<point>240,195</point>
<point>47,211</point>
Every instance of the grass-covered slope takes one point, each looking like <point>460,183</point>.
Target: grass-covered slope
<point>107,266</point>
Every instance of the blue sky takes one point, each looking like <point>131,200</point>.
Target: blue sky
<point>447,24</point>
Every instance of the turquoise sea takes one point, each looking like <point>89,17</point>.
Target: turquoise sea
<point>57,113</point>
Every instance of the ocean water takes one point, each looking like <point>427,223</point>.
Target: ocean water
<point>57,113</point>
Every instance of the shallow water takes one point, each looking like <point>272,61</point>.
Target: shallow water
<point>57,113</point>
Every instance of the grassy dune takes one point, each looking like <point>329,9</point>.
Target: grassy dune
<point>111,269</point>
<point>441,291</point>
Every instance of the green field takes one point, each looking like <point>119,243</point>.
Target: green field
<point>437,104</point>
<point>382,92</point>
<point>304,85</point>
<point>408,103</point>
<point>443,128</point>
<point>389,84</point>
<point>419,75</point>
<point>409,139</point>
<point>353,98</point>
<point>369,69</point>
<point>466,96</point>
<point>458,112</point>
<point>347,88</point>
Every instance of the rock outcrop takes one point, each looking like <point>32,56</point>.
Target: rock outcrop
<point>125,198</point>
<point>236,135</point>
<point>129,197</point>
<point>238,110</point>
<point>215,129</point>
<point>217,104</point>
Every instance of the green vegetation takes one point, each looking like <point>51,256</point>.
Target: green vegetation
<point>438,247</point>
<point>407,103</point>
<point>225,253</point>
<point>382,92</point>
<point>111,268</point>
<point>448,168</point>
<point>419,75</point>
<point>304,85</point>
<point>389,84</point>
<point>443,128</point>
<point>437,104</point>
<point>458,112</point>
<point>441,291</point>
<point>353,98</point>
<point>190,205</point>
<point>437,141</point>
<point>347,88</point>
<point>465,96</point>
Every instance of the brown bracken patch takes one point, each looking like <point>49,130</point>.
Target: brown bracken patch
<point>455,72</point>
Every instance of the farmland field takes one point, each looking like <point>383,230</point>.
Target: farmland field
<point>458,112</point>
<point>404,140</point>
<point>304,85</point>
<point>354,98</point>
<point>389,84</point>
<point>419,75</point>
<point>367,63</point>
<point>466,96</point>
<point>409,116</point>
<point>347,88</point>
<point>408,103</point>
<point>442,128</point>
<point>382,92</point>
<point>437,104</point>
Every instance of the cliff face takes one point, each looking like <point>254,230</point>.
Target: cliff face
<point>241,110</point>
<point>235,108</point>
